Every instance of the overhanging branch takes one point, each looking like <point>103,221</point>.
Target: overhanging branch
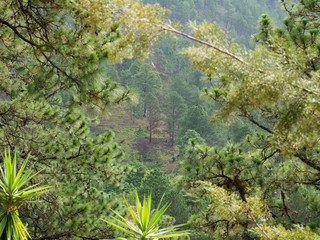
<point>239,59</point>
<point>171,29</point>
<point>312,163</point>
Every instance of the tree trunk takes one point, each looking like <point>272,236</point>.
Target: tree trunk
<point>144,102</point>
<point>172,134</point>
<point>150,133</point>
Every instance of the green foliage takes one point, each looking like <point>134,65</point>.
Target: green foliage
<point>197,119</point>
<point>110,71</point>
<point>145,222</point>
<point>56,78</point>
<point>140,133</point>
<point>157,183</point>
<point>134,179</point>
<point>264,81</point>
<point>145,79</point>
<point>53,86</point>
<point>185,139</point>
<point>275,87</point>
<point>252,215</point>
<point>229,167</point>
<point>181,85</point>
<point>13,195</point>
<point>258,173</point>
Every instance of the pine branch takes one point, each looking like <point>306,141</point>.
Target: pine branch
<point>15,30</point>
<point>239,59</point>
<point>309,162</point>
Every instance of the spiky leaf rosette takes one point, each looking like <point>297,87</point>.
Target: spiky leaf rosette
<point>145,221</point>
<point>13,194</point>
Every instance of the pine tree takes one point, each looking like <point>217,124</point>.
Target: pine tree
<point>196,119</point>
<point>153,113</point>
<point>275,87</point>
<point>146,80</point>
<point>174,109</point>
<point>51,88</point>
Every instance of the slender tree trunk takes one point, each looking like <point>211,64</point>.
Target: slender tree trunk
<point>144,104</point>
<point>132,115</point>
<point>150,133</point>
<point>172,134</point>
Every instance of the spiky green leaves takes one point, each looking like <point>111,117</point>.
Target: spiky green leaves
<point>145,221</point>
<point>13,194</point>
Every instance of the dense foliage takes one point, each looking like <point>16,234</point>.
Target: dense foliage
<point>276,88</point>
<point>237,160</point>
<point>52,85</point>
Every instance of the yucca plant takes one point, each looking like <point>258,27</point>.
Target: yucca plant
<point>13,195</point>
<point>145,222</point>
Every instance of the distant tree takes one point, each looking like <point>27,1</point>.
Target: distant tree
<point>153,113</point>
<point>158,184</point>
<point>133,180</point>
<point>179,208</point>
<point>180,84</point>
<point>135,67</point>
<point>238,130</point>
<point>111,72</point>
<point>174,109</point>
<point>146,80</point>
<point>155,182</point>
<point>140,133</point>
<point>159,63</point>
<point>197,119</point>
<point>140,142</point>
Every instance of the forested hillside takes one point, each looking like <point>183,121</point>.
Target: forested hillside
<point>134,117</point>
<point>167,108</point>
<point>176,86</point>
<point>239,17</point>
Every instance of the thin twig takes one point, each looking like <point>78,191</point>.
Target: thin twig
<point>248,213</point>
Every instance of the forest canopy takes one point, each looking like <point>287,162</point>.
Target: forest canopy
<point>67,65</point>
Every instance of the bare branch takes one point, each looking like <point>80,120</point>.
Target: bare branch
<point>250,118</point>
<point>248,213</point>
<point>285,207</point>
<point>171,29</point>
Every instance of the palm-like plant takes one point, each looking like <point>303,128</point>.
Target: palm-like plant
<point>145,221</point>
<point>13,195</point>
